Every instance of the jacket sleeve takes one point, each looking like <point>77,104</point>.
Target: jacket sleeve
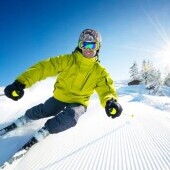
<point>105,88</point>
<point>43,69</point>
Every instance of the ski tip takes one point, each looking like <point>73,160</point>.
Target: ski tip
<point>4,165</point>
<point>2,132</point>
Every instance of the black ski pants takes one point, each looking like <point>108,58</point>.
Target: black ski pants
<point>65,115</point>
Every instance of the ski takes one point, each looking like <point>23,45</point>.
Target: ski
<point>38,136</point>
<point>8,129</point>
<point>20,153</point>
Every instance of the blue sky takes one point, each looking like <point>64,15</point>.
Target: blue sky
<point>132,30</point>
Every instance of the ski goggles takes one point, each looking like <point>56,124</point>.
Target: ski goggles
<point>89,45</point>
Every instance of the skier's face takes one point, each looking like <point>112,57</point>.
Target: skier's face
<point>88,53</point>
<point>89,48</point>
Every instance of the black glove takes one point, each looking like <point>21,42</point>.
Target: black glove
<point>15,91</point>
<point>113,109</point>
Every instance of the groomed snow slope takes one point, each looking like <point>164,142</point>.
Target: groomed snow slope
<point>141,142</point>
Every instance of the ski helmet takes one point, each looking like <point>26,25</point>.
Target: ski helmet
<point>90,35</point>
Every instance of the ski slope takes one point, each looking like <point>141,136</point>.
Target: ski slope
<point>141,142</point>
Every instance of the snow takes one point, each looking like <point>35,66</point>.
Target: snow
<point>138,140</point>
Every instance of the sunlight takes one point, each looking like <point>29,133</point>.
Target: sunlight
<point>162,54</point>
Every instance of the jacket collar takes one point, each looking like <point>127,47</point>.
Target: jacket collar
<point>83,60</point>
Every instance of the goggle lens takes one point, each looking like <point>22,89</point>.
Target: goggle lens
<point>89,45</point>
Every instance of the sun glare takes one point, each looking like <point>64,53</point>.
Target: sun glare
<point>162,54</point>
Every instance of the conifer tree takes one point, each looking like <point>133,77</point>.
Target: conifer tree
<point>167,80</point>
<point>134,72</point>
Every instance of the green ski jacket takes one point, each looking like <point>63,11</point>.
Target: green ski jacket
<point>77,78</point>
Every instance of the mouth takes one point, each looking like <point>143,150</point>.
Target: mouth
<point>89,53</point>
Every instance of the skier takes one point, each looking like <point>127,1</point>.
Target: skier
<point>78,75</point>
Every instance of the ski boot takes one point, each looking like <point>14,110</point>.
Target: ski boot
<point>39,136</point>
<point>17,123</point>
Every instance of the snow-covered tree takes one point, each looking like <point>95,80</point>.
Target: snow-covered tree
<point>153,78</point>
<point>154,75</point>
<point>149,75</point>
<point>155,82</point>
<point>167,80</point>
<point>145,71</point>
<point>134,72</point>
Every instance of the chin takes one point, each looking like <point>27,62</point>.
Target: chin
<point>89,56</point>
